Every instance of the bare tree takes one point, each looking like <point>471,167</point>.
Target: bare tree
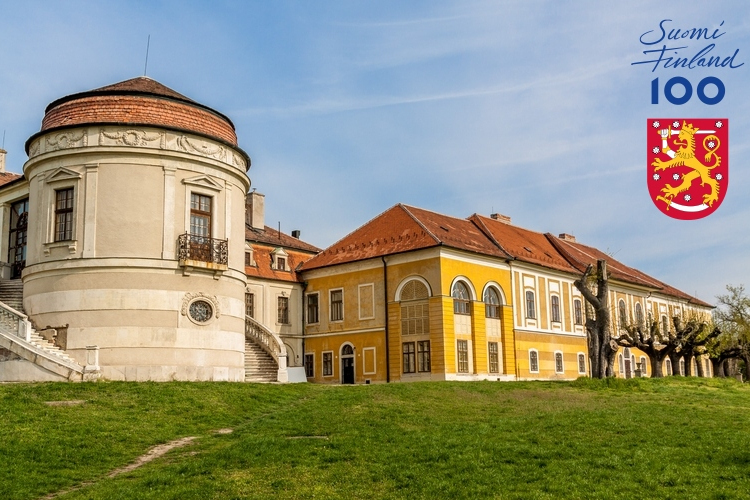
<point>733,317</point>
<point>602,347</point>
<point>651,341</point>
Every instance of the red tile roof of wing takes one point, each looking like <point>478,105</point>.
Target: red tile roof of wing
<point>276,238</point>
<point>581,255</point>
<point>8,177</point>
<point>262,267</point>
<point>402,229</point>
<point>523,244</point>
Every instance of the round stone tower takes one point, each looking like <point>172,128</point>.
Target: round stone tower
<point>136,233</point>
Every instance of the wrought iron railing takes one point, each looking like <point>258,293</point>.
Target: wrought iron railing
<point>202,249</point>
<point>14,322</point>
<point>266,339</point>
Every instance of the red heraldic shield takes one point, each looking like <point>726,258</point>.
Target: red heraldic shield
<point>688,165</point>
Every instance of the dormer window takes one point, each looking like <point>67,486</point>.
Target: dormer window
<point>279,260</point>
<point>249,260</point>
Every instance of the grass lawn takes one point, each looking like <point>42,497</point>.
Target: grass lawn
<point>641,438</point>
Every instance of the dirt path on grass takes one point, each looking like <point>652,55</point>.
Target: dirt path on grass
<point>152,454</point>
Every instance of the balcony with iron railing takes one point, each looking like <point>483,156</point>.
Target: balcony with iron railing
<point>201,251</point>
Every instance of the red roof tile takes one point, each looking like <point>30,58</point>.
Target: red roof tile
<point>262,267</point>
<point>138,101</point>
<point>402,229</point>
<point>275,238</point>
<point>8,177</point>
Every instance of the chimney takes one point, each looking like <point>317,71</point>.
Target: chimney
<point>296,233</point>
<point>254,210</point>
<point>567,237</point>
<point>2,160</point>
<point>505,219</point>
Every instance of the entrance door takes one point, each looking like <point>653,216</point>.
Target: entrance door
<point>347,364</point>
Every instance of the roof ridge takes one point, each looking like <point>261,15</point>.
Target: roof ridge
<point>433,212</point>
<point>565,254</point>
<point>486,231</point>
<point>406,209</point>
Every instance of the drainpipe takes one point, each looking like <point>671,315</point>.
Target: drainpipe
<point>513,321</point>
<point>385,304</point>
<point>304,304</point>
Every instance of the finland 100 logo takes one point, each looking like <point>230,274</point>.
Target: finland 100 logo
<point>687,158</point>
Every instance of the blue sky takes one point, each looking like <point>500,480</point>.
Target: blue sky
<point>527,108</point>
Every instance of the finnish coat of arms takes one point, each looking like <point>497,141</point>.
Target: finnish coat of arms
<point>688,165</point>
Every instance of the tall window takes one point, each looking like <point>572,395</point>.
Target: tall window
<point>423,356</point>
<point>682,366</point>
<point>530,308</point>
<point>559,366</point>
<point>644,365</point>
<point>668,363</point>
<point>250,305</point>
<point>555,303</point>
<point>337,305</point>
<point>463,356</point>
<point>312,309</point>
<point>283,310</point>
<point>621,362</point>
<point>623,314</point>
<point>491,303</point>
<point>19,223</point>
<point>664,325</point>
<point>533,361</point>
<point>327,364</point>
<point>410,365</point>
<point>200,215</point>
<point>581,363</point>
<point>309,365</point>
<point>638,314</point>
<point>64,214</point>
<point>578,312</point>
<point>494,356</point>
<point>461,299</point>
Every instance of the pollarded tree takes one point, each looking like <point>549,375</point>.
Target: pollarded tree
<point>733,316</point>
<point>602,348</point>
<point>651,341</point>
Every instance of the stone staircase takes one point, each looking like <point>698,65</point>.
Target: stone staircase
<point>18,338</point>
<point>11,293</point>
<point>259,365</point>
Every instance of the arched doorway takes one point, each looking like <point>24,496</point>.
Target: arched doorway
<point>347,364</point>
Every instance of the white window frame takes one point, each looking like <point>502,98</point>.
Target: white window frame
<point>644,364</point>
<point>307,315</point>
<point>468,357</point>
<point>578,358</point>
<point>559,309</point>
<point>562,362</point>
<point>323,364</point>
<point>526,302</point>
<point>59,180</point>
<point>330,305</point>
<point>537,361</point>
<point>359,300</point>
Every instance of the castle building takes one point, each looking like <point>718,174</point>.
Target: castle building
<point>416,295</point>
<point>131,249</point>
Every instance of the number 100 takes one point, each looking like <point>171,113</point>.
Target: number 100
<point>701,91</point>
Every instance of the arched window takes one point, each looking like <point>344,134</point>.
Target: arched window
<point>638,314</point>
<point>555,304</point>
<point>664,325</point>
<point>559,366</point>
<point>669,366</point>
<point>577,312</point>
<point>491,303</point>
<point>347,350</point>
<point>461,299</point>
<point>530,309</point>
<point>621,362</point>
<point>623,313</point>
<point>644,366</point>
<point>682,367</point>
<point>533,361</point>
<point>415,310</point>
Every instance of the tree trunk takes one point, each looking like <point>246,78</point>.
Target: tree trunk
<point>656,363</point>
<point>699,365</point>
<point>675,359</point>
<point>717,366</point>
<point>688,365</point>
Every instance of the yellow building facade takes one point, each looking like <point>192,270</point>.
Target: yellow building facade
<point>413,295</point>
